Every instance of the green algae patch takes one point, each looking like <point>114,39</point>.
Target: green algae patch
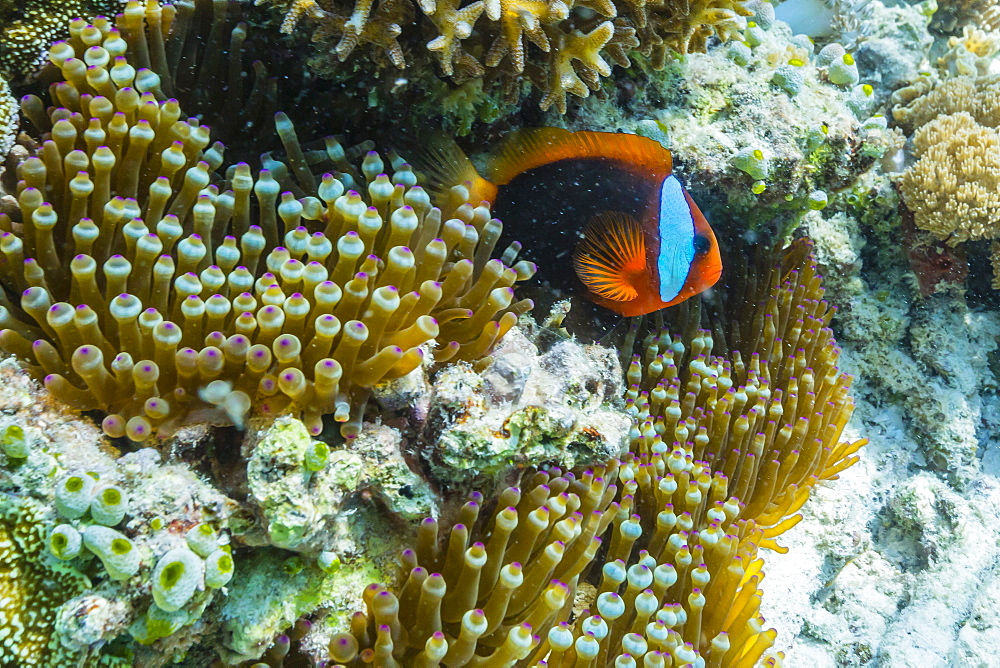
<point>264,601</point>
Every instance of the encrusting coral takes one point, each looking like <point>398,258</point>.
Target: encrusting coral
<point>725,450</point>
<point>561,47</point>
<point>154,290</point>
<point>89,528</point>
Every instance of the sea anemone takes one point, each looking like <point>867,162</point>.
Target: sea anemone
<point>155,289</point>
<point>655,554</point>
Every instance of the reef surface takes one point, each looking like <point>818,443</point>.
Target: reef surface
<point>553,497</point>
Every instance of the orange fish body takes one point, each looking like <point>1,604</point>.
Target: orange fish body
<point>645,244</point>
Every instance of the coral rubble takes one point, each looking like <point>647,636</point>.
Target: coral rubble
<point>527,407</point>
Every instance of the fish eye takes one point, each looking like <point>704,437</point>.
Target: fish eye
<point>701,244</point>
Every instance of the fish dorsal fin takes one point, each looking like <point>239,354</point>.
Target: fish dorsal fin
<point>442,165</point>
<point>533,147</point>
<point>611,259</point>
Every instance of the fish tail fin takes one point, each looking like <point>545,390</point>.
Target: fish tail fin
<point>441,165</point>
<point>611,259</point>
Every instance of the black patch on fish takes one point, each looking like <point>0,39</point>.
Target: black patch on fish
<point>547,208</point>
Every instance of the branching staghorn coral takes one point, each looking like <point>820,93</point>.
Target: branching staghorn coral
<point>686,27</point>
<point>725,451</point>
<point>201,314</point>
<point>561,46</point>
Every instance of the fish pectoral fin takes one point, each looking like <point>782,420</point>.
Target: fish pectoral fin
<point>611,258</point>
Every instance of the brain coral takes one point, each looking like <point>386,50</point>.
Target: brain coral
<point>153,289</point>
<point>560,47</point>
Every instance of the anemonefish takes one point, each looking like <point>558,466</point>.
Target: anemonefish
<point>635,238</point>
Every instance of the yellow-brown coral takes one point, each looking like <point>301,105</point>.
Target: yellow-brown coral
<point>953,187</point>
<point>33,586</point>
<point>686,26</point>
<point>26,35</point>
<point>9,117</point>
<point>154,289</point>
<point>925,100</point>
<point>561,50</point>
<point>953,15</point>
<point>725,451</point>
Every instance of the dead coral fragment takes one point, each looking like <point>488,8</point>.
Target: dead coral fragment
<point>726,449</point>
<point>152,290</point>
<point>33,587</point>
